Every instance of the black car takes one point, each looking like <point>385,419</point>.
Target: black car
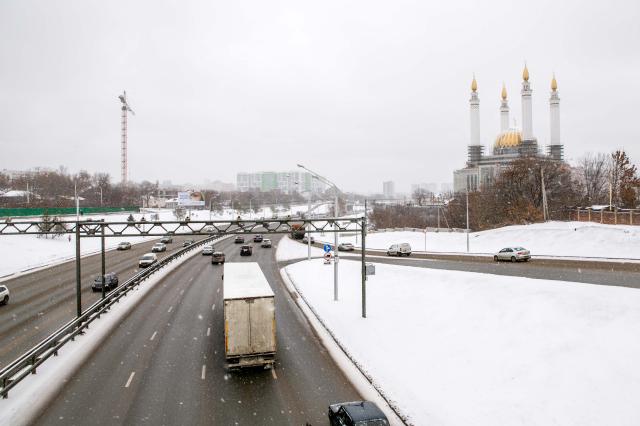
<point>356,413</point>
<point>239,239</point>
<point>110,282</point>
<point>246,250</point>
<point>187,243</point>
<point>166,239</point>
<point>257,239</point>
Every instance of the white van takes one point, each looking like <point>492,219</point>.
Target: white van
<point>402,249</point>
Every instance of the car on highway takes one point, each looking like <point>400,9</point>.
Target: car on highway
<point>110,282</point>
<point>357,413</point>
<point>305,239</point>
<point>246,250</point>
<point>346,247</point>
<point>124,245</point>
<point>402,249</point>
<point>158,247</point>
<point>513,254</point>
<point>217,258</point>
<point>207,250</point>
<point>266,243</point>
<point>239,239</point>
<point>166,239</point>
<point>4,294</point>
<point>258,238</point>
<point>187,243</point>
<point>147,260</point>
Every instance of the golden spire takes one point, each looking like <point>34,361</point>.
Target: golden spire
<point>554,83</point>
<point>504,92</point>
<point>525,73</point>
<point>474,84</point>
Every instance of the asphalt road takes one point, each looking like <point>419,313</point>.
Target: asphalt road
<point>164,364</point>
<point>44,300</point>
<point>591,274</point>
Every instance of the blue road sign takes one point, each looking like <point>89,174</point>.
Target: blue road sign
<point>327,248</point>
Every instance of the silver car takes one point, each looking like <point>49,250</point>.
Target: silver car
<point>4,295</point>
<point>513,254</point>
<point>207,250</point>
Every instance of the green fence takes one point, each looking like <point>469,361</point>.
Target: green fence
<point>59,211</point>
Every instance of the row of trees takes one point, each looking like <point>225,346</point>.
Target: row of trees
<point>56,189</point>
<point>516,196</point>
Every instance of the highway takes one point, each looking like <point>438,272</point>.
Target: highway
<point>44,300</point>
<point>165,363</point>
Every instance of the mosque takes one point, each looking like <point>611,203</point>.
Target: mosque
<point>512,143</point>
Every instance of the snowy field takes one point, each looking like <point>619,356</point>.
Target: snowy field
<point>459,348</point>
<point>24,252</point>
<point>579,239</point>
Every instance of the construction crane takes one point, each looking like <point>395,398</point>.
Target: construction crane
<point>123,148</point>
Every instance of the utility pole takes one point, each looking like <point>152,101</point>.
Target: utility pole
<point>308,228</point>
<point>467,217</point>
<point>545,211</point>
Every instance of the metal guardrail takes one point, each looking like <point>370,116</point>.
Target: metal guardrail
<point>28,363</point>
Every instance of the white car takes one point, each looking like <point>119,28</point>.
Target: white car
<point>207,250</point>
<point>158,247</point>
<point>4,295</point>
<point>403,249</point>
<point>513,254</point>
<point>147,260</point>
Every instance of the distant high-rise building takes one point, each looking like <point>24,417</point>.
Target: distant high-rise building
<point>429,187</point>
<point>287,182</point>
<point>388,189</point>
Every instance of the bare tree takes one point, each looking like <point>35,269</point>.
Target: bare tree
<point>594,175</point>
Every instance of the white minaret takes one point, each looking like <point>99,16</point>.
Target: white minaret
<point>504,111</point>
<point>554,107</point>
<point>474,104</point>
<point>527,117</point>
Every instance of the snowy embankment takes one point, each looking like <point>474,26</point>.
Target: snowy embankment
<point>454,348</point>
<point>571,239</point>
<point>27,252</point>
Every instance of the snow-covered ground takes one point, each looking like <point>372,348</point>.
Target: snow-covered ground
<point>24,252</point>
<point>579,239</point>
<point>457,348</point>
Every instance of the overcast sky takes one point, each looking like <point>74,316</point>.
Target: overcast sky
<point>360,91</point>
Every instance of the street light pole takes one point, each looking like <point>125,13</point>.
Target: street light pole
<point>335,234</point>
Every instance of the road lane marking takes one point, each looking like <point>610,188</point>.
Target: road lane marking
<point>153,336</point>
<point>204,371</point>
<point>133,373</point>
<point>181,292</point>
<point>208,331</point>
<point>170,309</point>
<point>273,373</point>
<point>213,307</point>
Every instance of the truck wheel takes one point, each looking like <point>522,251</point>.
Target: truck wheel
<point>513,259</point>
<point>495,258</point>
<point>5,301</point>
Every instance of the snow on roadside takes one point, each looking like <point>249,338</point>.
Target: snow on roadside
<point>289,249</point>
<point>575,239</point>
<point>454,347</point>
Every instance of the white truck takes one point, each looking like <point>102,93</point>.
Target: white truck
<point>249,317</point>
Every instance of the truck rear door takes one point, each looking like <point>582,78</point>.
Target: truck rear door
<point>262,325</point>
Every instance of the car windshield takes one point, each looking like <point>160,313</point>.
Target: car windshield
<point>2,288</point>
<point>519,248</point>
<point>147,257</point>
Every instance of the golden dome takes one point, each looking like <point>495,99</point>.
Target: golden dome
<point>504,92</point>
<point>509,139</point>
<point>554,83</point>
<point>525,73</point>
<point>474,84</point>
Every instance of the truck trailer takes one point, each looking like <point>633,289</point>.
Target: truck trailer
<point>249,317</point>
